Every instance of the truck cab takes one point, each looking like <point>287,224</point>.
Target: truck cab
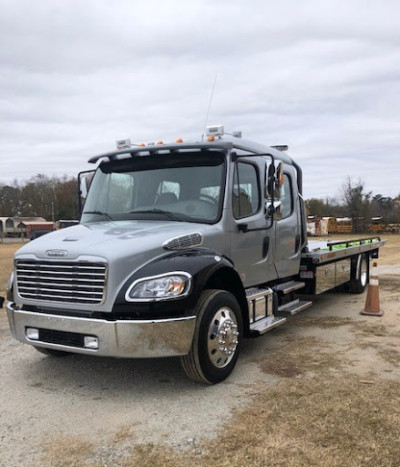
<point>183,249</point>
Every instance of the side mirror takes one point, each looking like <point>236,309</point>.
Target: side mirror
<point>274,183</point>
<point>278,181</point>
<point>269,182</point>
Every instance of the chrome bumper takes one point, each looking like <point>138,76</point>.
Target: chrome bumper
<point>129,339</point>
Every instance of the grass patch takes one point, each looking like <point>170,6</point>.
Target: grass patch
<point>299,422</point>
<point>364,329</point>
<point>390,252</point>
<point>7,251</point>
<point>124,434</point>
<point>297,356</point>
<point>323,323</point>
<point>393,286</point>
<point>67,451</point>
<point>316,422</point>
<point>391,356</point>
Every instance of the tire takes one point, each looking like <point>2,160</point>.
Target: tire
<point>51,352</point>
<point>359,274</point>
<point>217,338</point>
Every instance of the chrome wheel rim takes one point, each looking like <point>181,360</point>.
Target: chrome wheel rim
<point>222,339</point>
<point>363,273</point>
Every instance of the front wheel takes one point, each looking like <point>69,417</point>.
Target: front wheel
<point>216,342</point>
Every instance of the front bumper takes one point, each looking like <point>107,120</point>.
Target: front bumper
<point>127,339</point>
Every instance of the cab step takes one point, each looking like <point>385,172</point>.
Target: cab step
<point>294,306</point>
<point>289,287</point>
<point>267,324</point>
<point>253,293</point>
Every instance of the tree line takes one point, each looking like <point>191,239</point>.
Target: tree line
<point>356,202</point>
<point>56,198</point>
<point>53,198</point>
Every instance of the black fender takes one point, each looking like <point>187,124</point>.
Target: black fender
<point>207,269</point>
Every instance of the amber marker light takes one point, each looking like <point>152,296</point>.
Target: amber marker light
<point>210,138</point>
<point>179,140</point>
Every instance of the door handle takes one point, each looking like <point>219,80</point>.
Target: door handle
<point>265,247</point>
<point>297,243</point>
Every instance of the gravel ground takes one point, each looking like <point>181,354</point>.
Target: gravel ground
<point>49,403</point>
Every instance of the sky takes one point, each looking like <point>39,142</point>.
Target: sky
<point>322,76</point>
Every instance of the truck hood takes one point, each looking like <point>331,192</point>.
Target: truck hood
<point>126,246</point>
<point>110,239</point>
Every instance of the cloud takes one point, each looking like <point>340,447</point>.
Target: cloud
<point>320,76</point>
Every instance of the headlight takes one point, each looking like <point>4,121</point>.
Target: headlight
<point>10,295</point>
<point>162,287</point>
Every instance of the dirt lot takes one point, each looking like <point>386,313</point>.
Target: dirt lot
<point>321,391</point>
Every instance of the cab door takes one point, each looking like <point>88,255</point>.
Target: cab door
<point>252,245</point>
<point>288,227</point>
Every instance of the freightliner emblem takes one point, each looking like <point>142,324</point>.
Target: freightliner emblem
<point>56,252</point>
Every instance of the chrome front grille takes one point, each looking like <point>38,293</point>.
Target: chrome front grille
<point>62,281</point>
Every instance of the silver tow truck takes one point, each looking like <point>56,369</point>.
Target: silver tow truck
<point>182,249</point>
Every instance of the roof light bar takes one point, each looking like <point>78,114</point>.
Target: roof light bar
<point>281,147</point>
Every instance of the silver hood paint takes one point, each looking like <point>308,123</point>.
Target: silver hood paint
<point>125,245</point>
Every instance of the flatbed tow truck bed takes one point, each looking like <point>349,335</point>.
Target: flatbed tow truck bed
<point>325,251</point>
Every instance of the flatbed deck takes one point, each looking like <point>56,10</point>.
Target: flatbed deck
<point>327,251</point>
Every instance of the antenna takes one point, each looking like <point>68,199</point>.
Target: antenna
<point>209,106</point>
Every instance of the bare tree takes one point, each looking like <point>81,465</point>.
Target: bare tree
<point>356,202</point>
<point>10,202</point>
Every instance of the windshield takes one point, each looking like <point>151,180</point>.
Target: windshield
<point>186,186</point>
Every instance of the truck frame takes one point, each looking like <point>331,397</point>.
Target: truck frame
<point>183,249</point>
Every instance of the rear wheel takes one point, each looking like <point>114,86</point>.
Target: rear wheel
<point>359,274</point>
<point>51,352</point>
<point>216,342</point>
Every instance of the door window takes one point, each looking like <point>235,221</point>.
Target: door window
<point>286,197</point>
<point>246,190</point>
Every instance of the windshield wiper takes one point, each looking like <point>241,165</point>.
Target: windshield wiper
<point>100,213</point>
<point>169,214</point>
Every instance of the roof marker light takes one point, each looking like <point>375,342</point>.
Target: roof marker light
<point>179,140</point>
<point>159,143</point>
<point>215,130</point>
<point>123,144</point>
<point>210,138</point>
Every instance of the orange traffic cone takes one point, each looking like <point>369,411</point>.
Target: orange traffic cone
<point>372,306</point>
